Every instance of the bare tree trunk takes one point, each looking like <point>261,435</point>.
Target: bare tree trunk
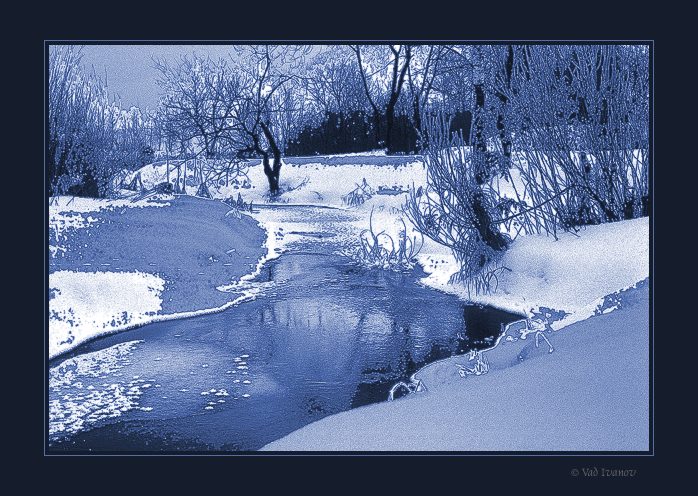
<point>377,126</point>
<point>504,133</point>
<point>479,141</point>
<point>177,189</point>
<point>416,114</point>
<point>376,111</point>
<point>395,94</point>
<point>487,229</point>
<point>389,121</point>
<point>272,172</point>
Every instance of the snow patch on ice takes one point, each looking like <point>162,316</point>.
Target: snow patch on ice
<point>62,204</point>
<point>74,407</point>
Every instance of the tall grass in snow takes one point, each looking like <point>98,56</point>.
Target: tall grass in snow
<point>381,250</point>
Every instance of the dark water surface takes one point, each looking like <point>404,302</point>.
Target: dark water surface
<point>324,336</point>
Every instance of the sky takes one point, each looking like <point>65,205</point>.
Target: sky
<point>129,68</point>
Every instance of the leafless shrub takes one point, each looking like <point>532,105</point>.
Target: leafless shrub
<point>238,205</point>
<point>459,207</point>
<point>382,251</point>
<point>583,139</point>
<point>358,195</point>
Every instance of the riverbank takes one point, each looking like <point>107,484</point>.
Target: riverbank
<point>117,264</point>
<point>590,394</point>
<point>530,398</point>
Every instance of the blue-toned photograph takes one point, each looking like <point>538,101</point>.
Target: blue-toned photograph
<point>348,248</point>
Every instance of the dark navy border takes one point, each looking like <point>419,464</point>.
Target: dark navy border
<point>581,458</point>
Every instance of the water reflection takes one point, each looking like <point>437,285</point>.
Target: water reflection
<point>326,337</point>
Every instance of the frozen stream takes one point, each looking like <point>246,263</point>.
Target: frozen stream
<point>323,336</point>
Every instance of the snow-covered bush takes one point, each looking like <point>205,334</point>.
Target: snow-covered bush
<point>90,139</point>
<point>580,123</point>
<point>459,207</point>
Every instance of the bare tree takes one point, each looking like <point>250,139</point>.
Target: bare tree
<point>397,63</point>
<point>292,110</point>
<point>333,83</point>
<point>426,66</point>
<point>200,96</point>
<point>265,70</point>
<point>452,85</point>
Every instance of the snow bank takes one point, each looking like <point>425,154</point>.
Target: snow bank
<point>83,305</point>
<point>372,153</point>
<point>569,274</point>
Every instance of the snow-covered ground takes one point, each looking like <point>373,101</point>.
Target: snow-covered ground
<point>313,182</point>
<point>85,304</point>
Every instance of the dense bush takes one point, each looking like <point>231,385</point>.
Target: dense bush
<point>573,121</point>
<point>583,132</point>
<point>459,208</point>
<point>90,138</point>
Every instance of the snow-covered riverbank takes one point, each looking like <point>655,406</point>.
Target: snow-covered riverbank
<point>117,264</point>
<point>590,394</point>
<point>529,398</point>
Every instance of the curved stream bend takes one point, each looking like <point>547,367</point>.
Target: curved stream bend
<point>324,336</point>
